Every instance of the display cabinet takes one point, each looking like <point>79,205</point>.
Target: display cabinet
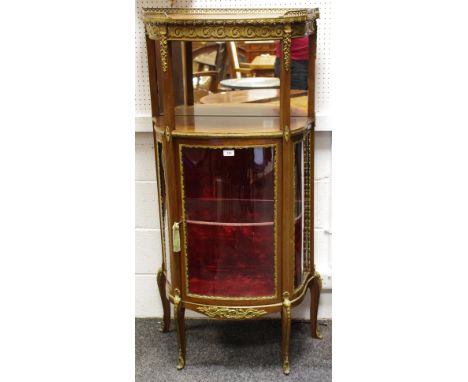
<point>235,177</point>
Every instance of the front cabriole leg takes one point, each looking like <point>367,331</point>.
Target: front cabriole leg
<point>285,331</point>
<point>179,317</point>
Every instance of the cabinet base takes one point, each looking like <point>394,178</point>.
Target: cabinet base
<point>313,283</point>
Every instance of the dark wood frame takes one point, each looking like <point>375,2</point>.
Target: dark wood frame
<point>161,52</point>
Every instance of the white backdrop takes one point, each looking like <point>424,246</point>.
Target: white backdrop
<point>147,234</point>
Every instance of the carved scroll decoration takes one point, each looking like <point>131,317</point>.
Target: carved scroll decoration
<point>231,313</point>
<point>287,47</point>
<point>163,49</point>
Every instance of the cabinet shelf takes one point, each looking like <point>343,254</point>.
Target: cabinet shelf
<point>251,119</point>
<point>234,212</point>
<point>201,222</point>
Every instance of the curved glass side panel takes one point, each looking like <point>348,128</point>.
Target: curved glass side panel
<point>163,211</point>
<point>308,213</point>
<point>298,213</point>
<point>230,220</point>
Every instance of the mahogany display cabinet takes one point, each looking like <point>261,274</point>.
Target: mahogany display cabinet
<point>235,179</point>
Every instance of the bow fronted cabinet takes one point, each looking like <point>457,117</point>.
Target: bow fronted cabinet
<point>235,164</point>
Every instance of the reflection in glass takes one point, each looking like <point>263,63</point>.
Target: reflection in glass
<point>229,204</point>
<point>223,74</point>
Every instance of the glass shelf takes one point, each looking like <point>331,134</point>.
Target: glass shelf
<point>240,212</point>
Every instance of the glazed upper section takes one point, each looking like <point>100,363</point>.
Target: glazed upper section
<point>228,24</point>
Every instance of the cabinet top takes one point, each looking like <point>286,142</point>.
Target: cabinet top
<point>228,24</point>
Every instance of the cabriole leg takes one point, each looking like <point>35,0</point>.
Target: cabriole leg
<point>166,322</point>
<point>315,288</point>
<point>179,317</point>
<point>285,331</point>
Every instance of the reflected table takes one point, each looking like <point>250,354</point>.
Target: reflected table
<point>251,83</point>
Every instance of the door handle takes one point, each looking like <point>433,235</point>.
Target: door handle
<point>176,237</point>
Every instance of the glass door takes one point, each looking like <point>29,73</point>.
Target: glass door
<point>230,204</point>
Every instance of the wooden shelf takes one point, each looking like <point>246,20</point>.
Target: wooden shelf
<point>229,125</point>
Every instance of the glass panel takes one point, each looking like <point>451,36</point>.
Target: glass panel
<point>163,211</point>
<point>298,213</point>
<point>229,85</point>
<point>299,77</point>
<point>230,216</point>
<point>308,184</point>
<point>228,79</point>
<point>299,62</point>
